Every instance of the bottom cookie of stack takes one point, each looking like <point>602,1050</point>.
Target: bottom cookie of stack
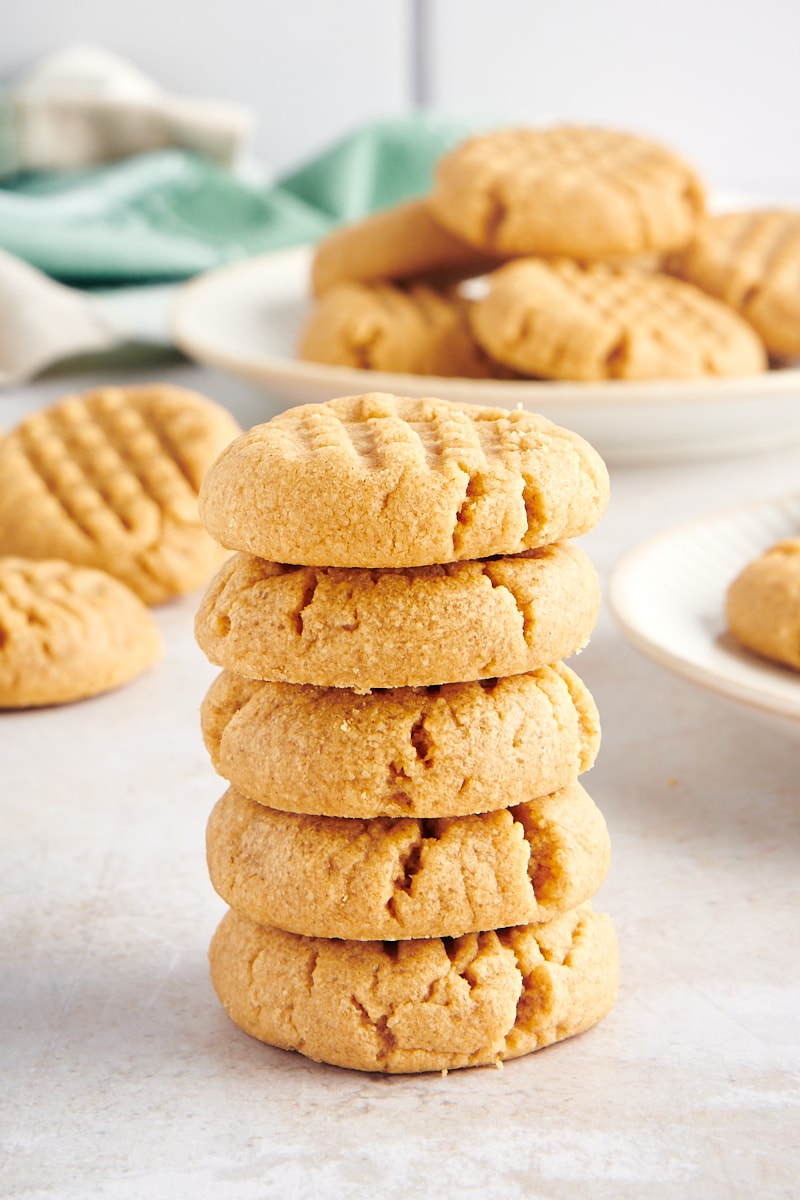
<point>429,1004</point>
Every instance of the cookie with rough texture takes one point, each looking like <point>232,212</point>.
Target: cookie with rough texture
<point>340,627</point>
<point>110,480</point>
<point>384,327</point>
<point>426,752</point>
<point>578,191</point>
<point>426,1005</point>
<point>407,877</point>
<point>386,481</point>
<point>751,260</point>
<point>68,632</point>
<point>565,320</point>
<point>398,243</point>
<point>763,604</point>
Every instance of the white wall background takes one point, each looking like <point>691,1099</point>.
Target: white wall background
<point>717,80</point>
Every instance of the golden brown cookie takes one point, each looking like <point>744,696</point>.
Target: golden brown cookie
<point>571,190</point>
<point>398,243</point>
<point>564,320</point>
<point>751,260</point>
<point>383,327</point>
<point>763,604</point>
<point>339,627</point>
<point>110,480</point>
<point>427,1005</point>
<point>386,481</point>
<point>423,752</point>
<point>68,632</point>
<point>407,877</point>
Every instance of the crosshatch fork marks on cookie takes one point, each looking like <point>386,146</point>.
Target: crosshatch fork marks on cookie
<point>378,481</point>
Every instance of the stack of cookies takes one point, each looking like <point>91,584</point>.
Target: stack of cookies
<point>570,240</point>
<point>405,847</point>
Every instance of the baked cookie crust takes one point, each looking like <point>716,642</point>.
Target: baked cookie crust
<point>339,627</point>
<point>407,752</point>
<point>110,479</point>
<point>565,320</point>
<point>68,632</point>
<point>387,481</point>
<point>763,604</point>
<point>428,1005</point>
<point>407,877</point>
<point>570,190</point>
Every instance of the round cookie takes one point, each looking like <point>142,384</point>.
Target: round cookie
<point>408,752</point>
<point>397,243</point>
<point>428,1005</point>
<point>751,260</point>
<point>564,320</point>
<point>68,632</point>
<point>383,327</point>
<point>387,481</point>
<point>384,878</point>
<point>110,480</point>
<point>339,627</point>
<point>572,190</point>
<point>763,604</point>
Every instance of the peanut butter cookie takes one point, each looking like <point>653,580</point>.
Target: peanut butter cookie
<point>339,627</point>
<point>68,632</point>
<point>426,1005</point>
<point>383,327</point>
<point>386,481</point>
<point>564,320</point>
<point>751,260</point>
<point>572,190</point>
<point>763,604</point>
<point>398,243</point>
<point>423,752</point>
<point>110,480</point>
<point>390,878</point>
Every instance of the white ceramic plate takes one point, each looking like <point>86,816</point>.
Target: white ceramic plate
<point>668,596</point>
<point>246,318</point>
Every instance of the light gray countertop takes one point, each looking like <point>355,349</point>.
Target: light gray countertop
<point>123,1078</point>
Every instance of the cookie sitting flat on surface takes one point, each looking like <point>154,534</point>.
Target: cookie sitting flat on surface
<point>572,190</point>
<point>390,878</point>
<point>68,632</point>
<point>751,260</point>
<point>426,752</point>
<point>763,604</point>
<point>387,481</point>
<point>339,627</point>
<point>564,320</point>
<point>427,1005</point>
<point>382,327</point>
<point>397,243</point>
<point>110,480</point>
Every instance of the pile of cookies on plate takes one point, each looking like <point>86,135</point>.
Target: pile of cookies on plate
<point>564,253</point>
<point>405,848</point>
<point>98,521</point>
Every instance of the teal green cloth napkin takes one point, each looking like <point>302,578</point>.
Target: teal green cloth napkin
<point>172,214</point>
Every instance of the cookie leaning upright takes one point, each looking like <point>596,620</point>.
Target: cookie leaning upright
<point>568,190</point>
<point>387,481</point>
<point>109,480</point>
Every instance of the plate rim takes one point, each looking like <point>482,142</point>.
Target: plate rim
<point>657,393</point>
<point>756,694</point>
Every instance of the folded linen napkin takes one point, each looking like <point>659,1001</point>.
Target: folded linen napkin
<point>83,105</point>
<point>156,215</point>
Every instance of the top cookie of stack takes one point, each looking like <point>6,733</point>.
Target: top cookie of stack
<point>385,481</point>
<point>597,211</point>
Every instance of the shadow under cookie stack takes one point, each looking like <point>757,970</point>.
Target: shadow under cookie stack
<point>405,847</point>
